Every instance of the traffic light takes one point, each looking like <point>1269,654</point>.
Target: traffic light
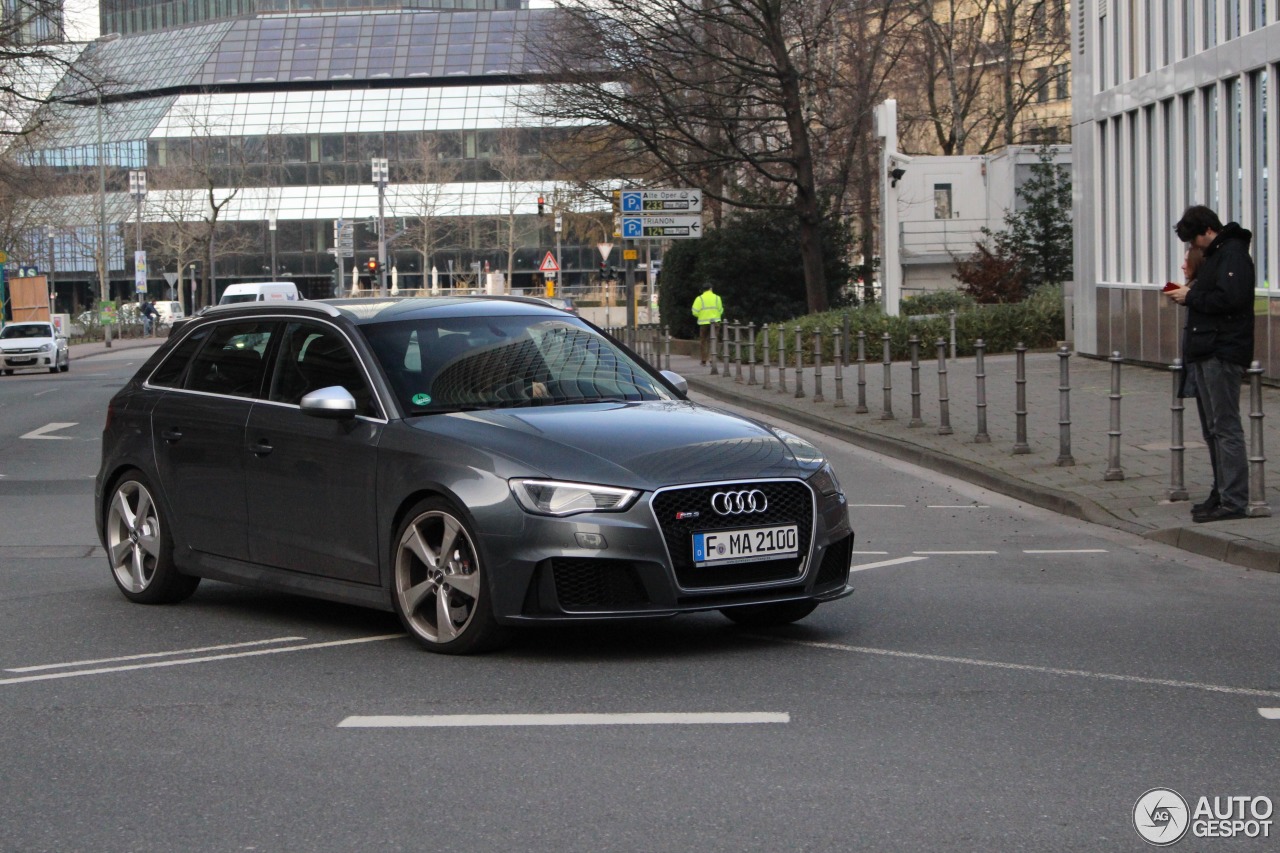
<point>541,201</point>
<point>372,266</point>
<point>603,269</point>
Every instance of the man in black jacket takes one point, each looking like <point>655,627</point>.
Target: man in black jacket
<point>1217,347</point>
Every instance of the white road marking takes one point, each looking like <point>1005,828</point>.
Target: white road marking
<point>652,719</point>
<point>952,553</point>
<point>1270,713</point>
<point>1043,670</point>
<point>1069,551</point>
<point>877,506</point>
<point>47,428</point>
<point>958,506</point>
<point>883,563</point>
<point>49,676</point>
<point>872,553</point>
<point>46,391</point>
<point>194,651</point>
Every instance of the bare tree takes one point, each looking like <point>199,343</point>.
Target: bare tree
<point>520,173</point>
<point>715,92</point>
<point>433,205</point>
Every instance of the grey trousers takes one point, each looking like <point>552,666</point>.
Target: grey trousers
<point>1217,386</point>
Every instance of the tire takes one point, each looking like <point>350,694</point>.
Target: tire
<point>8,373</point>
<point>438,585</point>
<point>53,369</point>
<point>139,547</point>
<point>66,365</point>
<point>769,615</point>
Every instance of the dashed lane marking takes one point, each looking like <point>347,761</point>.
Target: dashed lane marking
<point>624,719</point>
<point>1067,551</point>
<point>195,651</point>
<point>50,676</point>
<point>877,506</point>
<point>952,553</point>
<point>957,506</point>
<point>1042,670</point>
<point>42,432</point>
<point>1270,713</point>
<point>897,562</point>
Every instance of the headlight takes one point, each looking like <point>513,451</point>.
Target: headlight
<point>825,480</point>
<point>551,497</point>
<point>46,348</point>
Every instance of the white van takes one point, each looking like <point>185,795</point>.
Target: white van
<point>262,291</point>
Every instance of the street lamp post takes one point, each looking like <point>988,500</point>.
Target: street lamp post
<point>380,180</point>
<point>193,289</point>
<point>138,190</point>
<point>271,225</point>
<point>104,288</point>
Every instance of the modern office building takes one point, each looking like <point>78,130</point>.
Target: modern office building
<point>1174,104</point>
<point>275,117</point>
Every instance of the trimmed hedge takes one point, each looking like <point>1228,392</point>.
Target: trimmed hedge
<point>1037,322</point>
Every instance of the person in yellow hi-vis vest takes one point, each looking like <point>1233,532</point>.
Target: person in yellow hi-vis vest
<point>708,307</point>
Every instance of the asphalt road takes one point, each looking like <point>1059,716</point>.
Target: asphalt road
<point>1003,679</point>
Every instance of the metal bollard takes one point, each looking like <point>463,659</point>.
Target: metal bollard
<point>953,334</point>
<point>1114,471</point>
<point>711,351</point>
<point>916,420</point>
<point>782,359</point>
<point>817,366</point>
<point>751,353</point>
<point>799,364</point>
<point>887,414</point>
<point>980,375</point>
<point>845,340</point>
<point>764,353</point>
<point>1258,507</point>
<point>666,344</point>
<point>841,347</point>
<point>861,408</point>
<point>944,400</point>
<point>724,349</point>
<point>1177,486</point>
<point>1065,459</point>
<point>1020,405</point>
<point>737,351</point>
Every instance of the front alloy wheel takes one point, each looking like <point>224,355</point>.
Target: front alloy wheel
<point>439,589</point>
<point>139,548</point>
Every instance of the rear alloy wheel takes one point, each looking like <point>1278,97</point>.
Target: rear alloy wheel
<point>439,588</point>
<point>769,615</point>
<point>139,547</point>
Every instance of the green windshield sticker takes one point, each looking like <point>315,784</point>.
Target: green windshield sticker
<point>421,399</point>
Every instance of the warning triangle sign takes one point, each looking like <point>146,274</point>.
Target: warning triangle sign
<point>549,264</point>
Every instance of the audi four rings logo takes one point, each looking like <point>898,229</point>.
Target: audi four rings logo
<point>739,503</point>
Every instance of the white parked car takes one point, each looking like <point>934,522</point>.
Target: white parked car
<point>33,346</point>
<point>169,311</point>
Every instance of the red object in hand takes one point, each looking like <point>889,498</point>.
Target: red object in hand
<point>1168,285</point>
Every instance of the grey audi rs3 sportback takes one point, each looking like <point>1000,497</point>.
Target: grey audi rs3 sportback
<point>473,464</point>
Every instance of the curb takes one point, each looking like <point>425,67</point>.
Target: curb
<point>1224,547</point>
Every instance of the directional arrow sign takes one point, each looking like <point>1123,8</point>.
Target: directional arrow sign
<point>661,227</point>
<point>647,202</point>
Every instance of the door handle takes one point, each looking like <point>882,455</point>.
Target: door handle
<point>171,435</point>
<point>262,448</point>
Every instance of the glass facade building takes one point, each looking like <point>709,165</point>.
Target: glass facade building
<point>277,117</point>
<point>1174,104</point>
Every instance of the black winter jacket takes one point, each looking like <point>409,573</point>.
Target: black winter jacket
<point>1220,305</point>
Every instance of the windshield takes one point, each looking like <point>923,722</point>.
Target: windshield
<point>36,331</point>
<point>229,299</point>
<point>469,363</point>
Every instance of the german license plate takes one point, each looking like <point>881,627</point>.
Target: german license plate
<point>745,546</point>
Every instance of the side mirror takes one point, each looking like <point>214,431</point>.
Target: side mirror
<point>677,380</point>
<point>333,402</point>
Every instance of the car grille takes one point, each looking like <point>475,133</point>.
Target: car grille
<point>22,351</point>
<point>591,584</point>
<point>789,502</point>
<point>835,564</point>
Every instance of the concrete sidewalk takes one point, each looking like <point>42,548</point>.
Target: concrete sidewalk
<point>1139,503</point>
<point>88,350</point>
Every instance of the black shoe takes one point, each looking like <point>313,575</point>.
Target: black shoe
<point>1209,505</point>
<point>1219,514</point>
